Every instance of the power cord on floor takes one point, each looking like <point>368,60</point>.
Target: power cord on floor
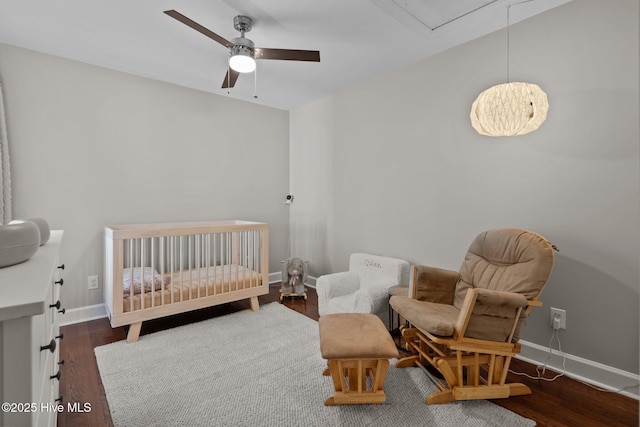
<point>541,369</point>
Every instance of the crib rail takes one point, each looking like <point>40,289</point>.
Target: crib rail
<point>160,269</point>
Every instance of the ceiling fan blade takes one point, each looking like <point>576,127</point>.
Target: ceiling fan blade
<point>230,78</point>
<point>287,54</point>
<point>180,17</point>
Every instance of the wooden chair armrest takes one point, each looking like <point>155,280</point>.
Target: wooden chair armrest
<point>532,303</point>
<point>465,313</point>
<point>434,284</point>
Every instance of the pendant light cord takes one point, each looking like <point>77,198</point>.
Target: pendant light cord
<point>508,44</point>
<point>508,38</point>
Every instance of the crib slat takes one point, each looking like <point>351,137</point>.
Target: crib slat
<point>253,255</point>
<point>172,267</point>
<point>235,248</point>
<point>142,273</point>
<point>196,244</point>
<point>256,255</point>
<point>189,265</point>
<point>153,273</point>
<point>222,257</point>
<point>230,258</point>
<point>130,274</point>
<point>244,257</point>
<point>207,263</point>
<point>216,255</point>
<point>181,261</point>
<point>252,262</point>
<point>161,261</point>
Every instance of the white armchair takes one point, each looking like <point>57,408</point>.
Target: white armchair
<point>364,288</point>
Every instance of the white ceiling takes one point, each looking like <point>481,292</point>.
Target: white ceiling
<point>357,39</point>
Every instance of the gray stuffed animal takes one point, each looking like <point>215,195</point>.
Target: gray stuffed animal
<point>294,275</point>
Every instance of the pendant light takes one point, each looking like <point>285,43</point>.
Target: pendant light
<point>512,108</point>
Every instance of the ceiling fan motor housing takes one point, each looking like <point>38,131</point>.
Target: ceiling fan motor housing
<point>242,45</point>
<point>244,42</point>
<point>242,23</point>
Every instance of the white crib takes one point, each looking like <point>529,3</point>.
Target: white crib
<point>156,270</point>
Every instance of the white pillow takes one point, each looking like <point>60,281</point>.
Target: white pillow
<point>19,240</point>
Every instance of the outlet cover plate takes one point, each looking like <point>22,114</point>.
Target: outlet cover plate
<point>562,314</point>
<point>92,282</point>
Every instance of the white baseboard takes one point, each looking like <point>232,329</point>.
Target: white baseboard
<point>83,314</point>
<point>277,278</point>
<point>580,369</point>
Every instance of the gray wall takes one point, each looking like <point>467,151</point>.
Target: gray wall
<point>394,167</point>
<point>92,147</point>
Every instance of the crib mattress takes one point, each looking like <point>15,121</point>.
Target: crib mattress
<point>193,284</point>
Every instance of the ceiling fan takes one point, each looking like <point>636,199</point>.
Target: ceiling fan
<point>242,50</point>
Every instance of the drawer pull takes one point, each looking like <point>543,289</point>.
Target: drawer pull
<point>63,311</point>
<point>56,305</point>
<point>56,376</point>
<point>51,347</point>
<point>59,400</point>
<point>59,282</point>
<point>61,336</point>
<point>61,362</point>
<point>61,267</point>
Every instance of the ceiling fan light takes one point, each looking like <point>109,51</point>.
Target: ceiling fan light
<point>242,59</point>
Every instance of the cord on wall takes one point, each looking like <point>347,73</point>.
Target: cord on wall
<point>541,369</point>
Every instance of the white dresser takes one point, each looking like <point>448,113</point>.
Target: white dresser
<point>29,338</point>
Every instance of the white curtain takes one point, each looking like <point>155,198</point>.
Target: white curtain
<point>5,173</point>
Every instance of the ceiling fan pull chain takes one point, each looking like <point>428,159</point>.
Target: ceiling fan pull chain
<point>229,74</point>
<point>255,83</point>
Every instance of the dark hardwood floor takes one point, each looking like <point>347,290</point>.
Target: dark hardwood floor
<point>564,402</point>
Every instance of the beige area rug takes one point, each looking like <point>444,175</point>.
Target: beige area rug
<point>260,369</point>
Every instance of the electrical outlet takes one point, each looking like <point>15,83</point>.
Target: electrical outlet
<point>560,316</point>
<point>92,282</point>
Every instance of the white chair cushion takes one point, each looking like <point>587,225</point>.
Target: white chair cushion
<point>357,302</point>
<point>362,289</point>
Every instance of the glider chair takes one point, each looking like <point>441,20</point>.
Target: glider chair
<point>364,288</point>
<point>467,324</point>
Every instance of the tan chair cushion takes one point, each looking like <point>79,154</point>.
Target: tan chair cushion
<point>355,336</point>
<point>434,284</point>
<point>509,260</point>
<point>440,320</point>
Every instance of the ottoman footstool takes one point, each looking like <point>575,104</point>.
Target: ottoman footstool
<point>357,346</point>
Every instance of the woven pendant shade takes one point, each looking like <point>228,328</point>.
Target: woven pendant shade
<point>509,109</point>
